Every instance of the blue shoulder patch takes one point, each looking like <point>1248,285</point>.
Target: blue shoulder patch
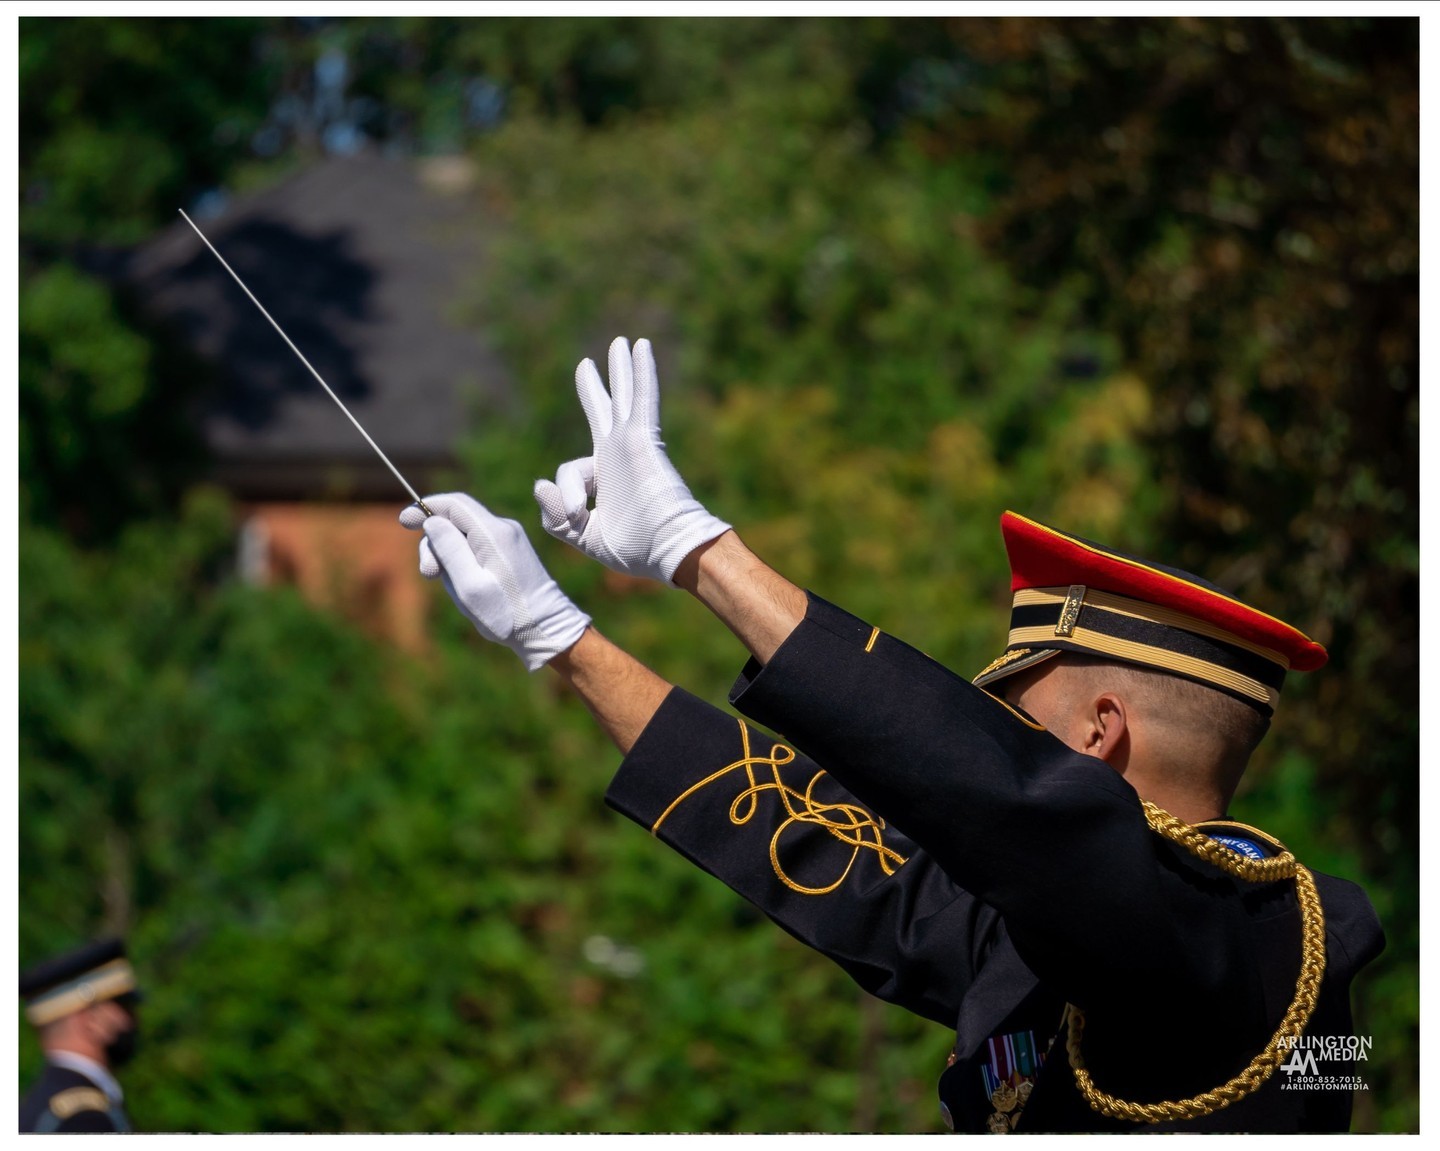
<point>1240,846</point>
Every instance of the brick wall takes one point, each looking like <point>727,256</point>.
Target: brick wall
<point>353,559</point>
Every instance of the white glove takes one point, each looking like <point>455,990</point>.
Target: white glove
<point>495,578</point>
<point>644,521</point>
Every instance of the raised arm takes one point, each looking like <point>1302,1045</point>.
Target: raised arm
<point>745,808</point>
<point>751,598</point>
<point>621,692</point>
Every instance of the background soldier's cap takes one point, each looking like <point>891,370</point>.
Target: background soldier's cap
<point>70,982</point>
<point>1074,595</point>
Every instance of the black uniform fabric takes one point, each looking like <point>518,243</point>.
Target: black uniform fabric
<point>958,860</point>
<point>63,1102</point>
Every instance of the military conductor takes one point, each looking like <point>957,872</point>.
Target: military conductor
<point>1039,858</point>
<point>83,1004</point>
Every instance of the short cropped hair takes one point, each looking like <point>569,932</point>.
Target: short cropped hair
<point>1235,729</point>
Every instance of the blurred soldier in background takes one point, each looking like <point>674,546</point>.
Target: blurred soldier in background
<point>83,1005</point>
<point>1040,859</point>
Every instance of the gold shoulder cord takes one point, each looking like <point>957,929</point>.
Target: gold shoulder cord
<point>1307,987</point>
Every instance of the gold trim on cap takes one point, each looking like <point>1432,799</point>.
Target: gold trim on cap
<point>1151,613</point>
<point>106,982</point>
<point>1156,657</point>
<point>999,662</point>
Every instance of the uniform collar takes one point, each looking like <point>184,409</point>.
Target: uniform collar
<point>95,1072</point>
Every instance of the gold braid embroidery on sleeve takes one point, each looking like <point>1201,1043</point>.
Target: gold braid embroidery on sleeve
<point>849,823</point>
<point>1307,985</point>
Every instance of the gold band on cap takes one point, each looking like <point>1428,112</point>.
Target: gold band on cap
<point>106,982</point>
<point>1157,657</point>
<point>1149,612</point>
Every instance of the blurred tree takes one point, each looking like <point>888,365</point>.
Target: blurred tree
<point>125,119</point>
<point>104,434</point>
<point>122,121</point>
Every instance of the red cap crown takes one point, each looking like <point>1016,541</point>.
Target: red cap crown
<point>1040,556</point>
<point>1074,595</point>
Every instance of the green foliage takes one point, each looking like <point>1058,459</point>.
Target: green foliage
<point>838,379</point>
<point>122,120</point>
<point>102,437</point>
<point>1150,279</point>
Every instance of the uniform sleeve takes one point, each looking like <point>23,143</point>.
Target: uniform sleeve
<point>779,831</point>
<point>1097,905</point>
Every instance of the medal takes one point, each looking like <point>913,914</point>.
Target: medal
<point>1013,1062</point>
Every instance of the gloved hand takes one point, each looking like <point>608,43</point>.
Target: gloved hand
<point>495,578</point>
<point>644,520</point>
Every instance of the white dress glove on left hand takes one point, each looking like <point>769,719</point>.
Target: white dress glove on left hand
<point>644,521</point>
<point>495,578</point>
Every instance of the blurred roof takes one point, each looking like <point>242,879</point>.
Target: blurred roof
<point>362,261</point>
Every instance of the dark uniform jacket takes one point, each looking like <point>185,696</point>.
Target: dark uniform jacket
<point>67,1102</point>
<point>958,860</point>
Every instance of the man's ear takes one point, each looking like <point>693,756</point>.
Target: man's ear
<point>1106,730</point>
